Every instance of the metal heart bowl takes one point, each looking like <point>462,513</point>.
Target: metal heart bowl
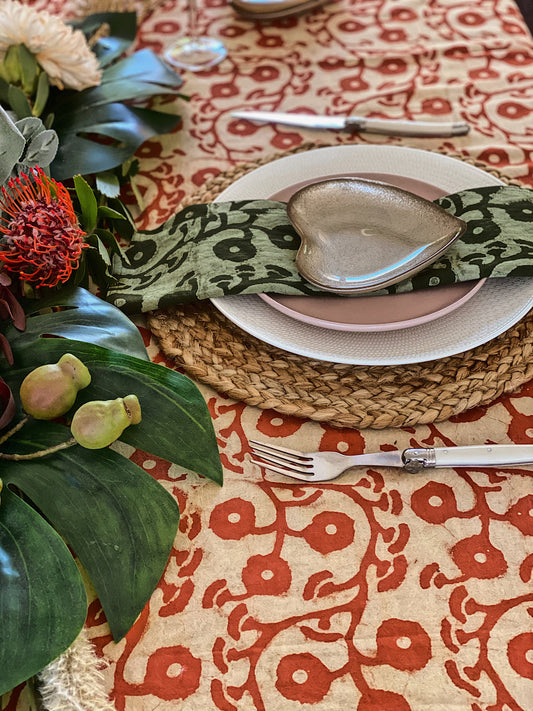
<point>362,235</point>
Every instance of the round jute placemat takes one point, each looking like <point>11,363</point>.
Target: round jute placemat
<point>208,347</point>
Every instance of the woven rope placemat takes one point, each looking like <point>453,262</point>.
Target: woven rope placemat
<point>208,347</point>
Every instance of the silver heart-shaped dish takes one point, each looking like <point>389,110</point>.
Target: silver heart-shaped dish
<point>361,235</point>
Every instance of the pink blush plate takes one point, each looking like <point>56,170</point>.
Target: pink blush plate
<point>374,313</point>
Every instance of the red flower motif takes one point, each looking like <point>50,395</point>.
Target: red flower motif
<point>403,644</point>
<point>519,654</point>
<point>436,105</point>
<point>513,110</point>
<point>478,558</point>
<point>435,502</point>
<point>43,241</point>
<point>303,677</point>
<point>266,575</point>
<point>329,531</point>
<point>521,515</point>
<point>382,700</point>
<point>233,519</point>
<point>172,673</point>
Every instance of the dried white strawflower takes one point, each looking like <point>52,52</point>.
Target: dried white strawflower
<point>62,52</point>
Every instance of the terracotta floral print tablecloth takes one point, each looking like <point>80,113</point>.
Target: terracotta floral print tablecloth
<point>380,591</point>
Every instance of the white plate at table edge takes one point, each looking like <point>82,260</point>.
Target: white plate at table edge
<point>498,305</point>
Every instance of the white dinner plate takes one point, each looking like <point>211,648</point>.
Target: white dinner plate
<point>498,305</point>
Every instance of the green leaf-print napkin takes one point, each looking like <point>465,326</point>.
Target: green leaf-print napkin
<point>249,247</point>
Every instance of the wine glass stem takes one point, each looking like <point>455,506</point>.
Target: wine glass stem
<point>193,20</point>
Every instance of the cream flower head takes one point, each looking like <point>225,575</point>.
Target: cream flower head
<point>62,52</point>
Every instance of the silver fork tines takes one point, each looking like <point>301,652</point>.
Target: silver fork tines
<point>281,453</point>
<point>283,460</point>
<point>295,474</point>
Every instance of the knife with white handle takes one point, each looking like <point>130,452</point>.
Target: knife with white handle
<point>479,455</point>
<point>389,127</point>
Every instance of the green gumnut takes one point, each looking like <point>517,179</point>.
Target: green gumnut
<point>50,390</point>
<point>98,423</point>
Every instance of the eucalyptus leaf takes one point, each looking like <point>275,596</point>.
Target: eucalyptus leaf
<point>48,120</point>
<point>108,184</point>
<point>11,145</point>
<point>43,604</point>
<point>84,317</point>
<point>130,168</point>
<point>41,143</point>
<point>176,424</point>
<point>120,522</point>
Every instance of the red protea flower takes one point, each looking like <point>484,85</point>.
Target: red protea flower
<point>43,241</point>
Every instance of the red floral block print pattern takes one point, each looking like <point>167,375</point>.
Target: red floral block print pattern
<point>383,58</point>
<point>380,591</point>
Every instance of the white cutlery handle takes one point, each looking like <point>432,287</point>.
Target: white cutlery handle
<point>407,128</point>
<point>479,455</point>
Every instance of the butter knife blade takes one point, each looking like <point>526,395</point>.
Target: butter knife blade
<point>389,127</point>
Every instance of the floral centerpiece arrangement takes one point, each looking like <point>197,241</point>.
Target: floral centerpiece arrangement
<point>74,373</point>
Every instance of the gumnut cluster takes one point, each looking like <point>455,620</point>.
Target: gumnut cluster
<point>50,391</point>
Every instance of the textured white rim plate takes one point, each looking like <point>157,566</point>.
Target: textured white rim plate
<point>497,306</point>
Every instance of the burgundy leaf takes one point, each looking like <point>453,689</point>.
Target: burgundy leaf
<point>15,310</point>
<point>5,348</point>
<point>7,404</point>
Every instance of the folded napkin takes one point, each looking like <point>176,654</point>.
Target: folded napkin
<point>249,247</point>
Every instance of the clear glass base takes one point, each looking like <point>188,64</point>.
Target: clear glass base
<point>195,53</point>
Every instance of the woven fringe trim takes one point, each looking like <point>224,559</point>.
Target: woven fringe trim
<point>74,681</point>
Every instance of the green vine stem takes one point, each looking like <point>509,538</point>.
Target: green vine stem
<point>14,429</point>
<point>40,453</point>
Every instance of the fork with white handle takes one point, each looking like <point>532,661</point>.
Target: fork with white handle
<point>323,466</point>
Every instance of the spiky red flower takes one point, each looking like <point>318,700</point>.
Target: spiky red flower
<point>43,241</point>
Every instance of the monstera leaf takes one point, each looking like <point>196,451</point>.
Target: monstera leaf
<point>39,583</point>
<point>122,30</point>
<point>97,130</point>
<point>76,313</point>
<point>81,148</point>
<point>114,517</point>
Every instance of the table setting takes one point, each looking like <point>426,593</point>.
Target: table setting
<point>336,441</point>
